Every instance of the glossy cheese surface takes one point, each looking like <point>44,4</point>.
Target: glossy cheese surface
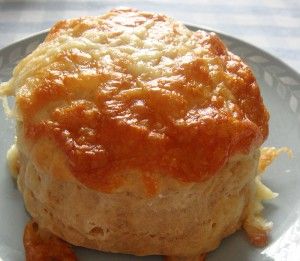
<point>132,90</point>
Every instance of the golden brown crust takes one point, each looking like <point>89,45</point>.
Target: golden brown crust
<point>135,90</point>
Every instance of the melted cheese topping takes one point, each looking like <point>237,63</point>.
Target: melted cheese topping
<point>135,90</point>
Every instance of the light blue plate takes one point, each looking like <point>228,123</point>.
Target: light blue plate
<point>280,87</point>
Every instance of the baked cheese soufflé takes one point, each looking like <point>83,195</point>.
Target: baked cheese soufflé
<point>136,135</point>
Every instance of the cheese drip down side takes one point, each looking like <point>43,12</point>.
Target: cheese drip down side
<point>255,225</point>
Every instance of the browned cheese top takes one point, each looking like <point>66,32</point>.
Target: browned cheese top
<point>132,90</point>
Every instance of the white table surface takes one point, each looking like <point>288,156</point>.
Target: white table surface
<point>273,25</point>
